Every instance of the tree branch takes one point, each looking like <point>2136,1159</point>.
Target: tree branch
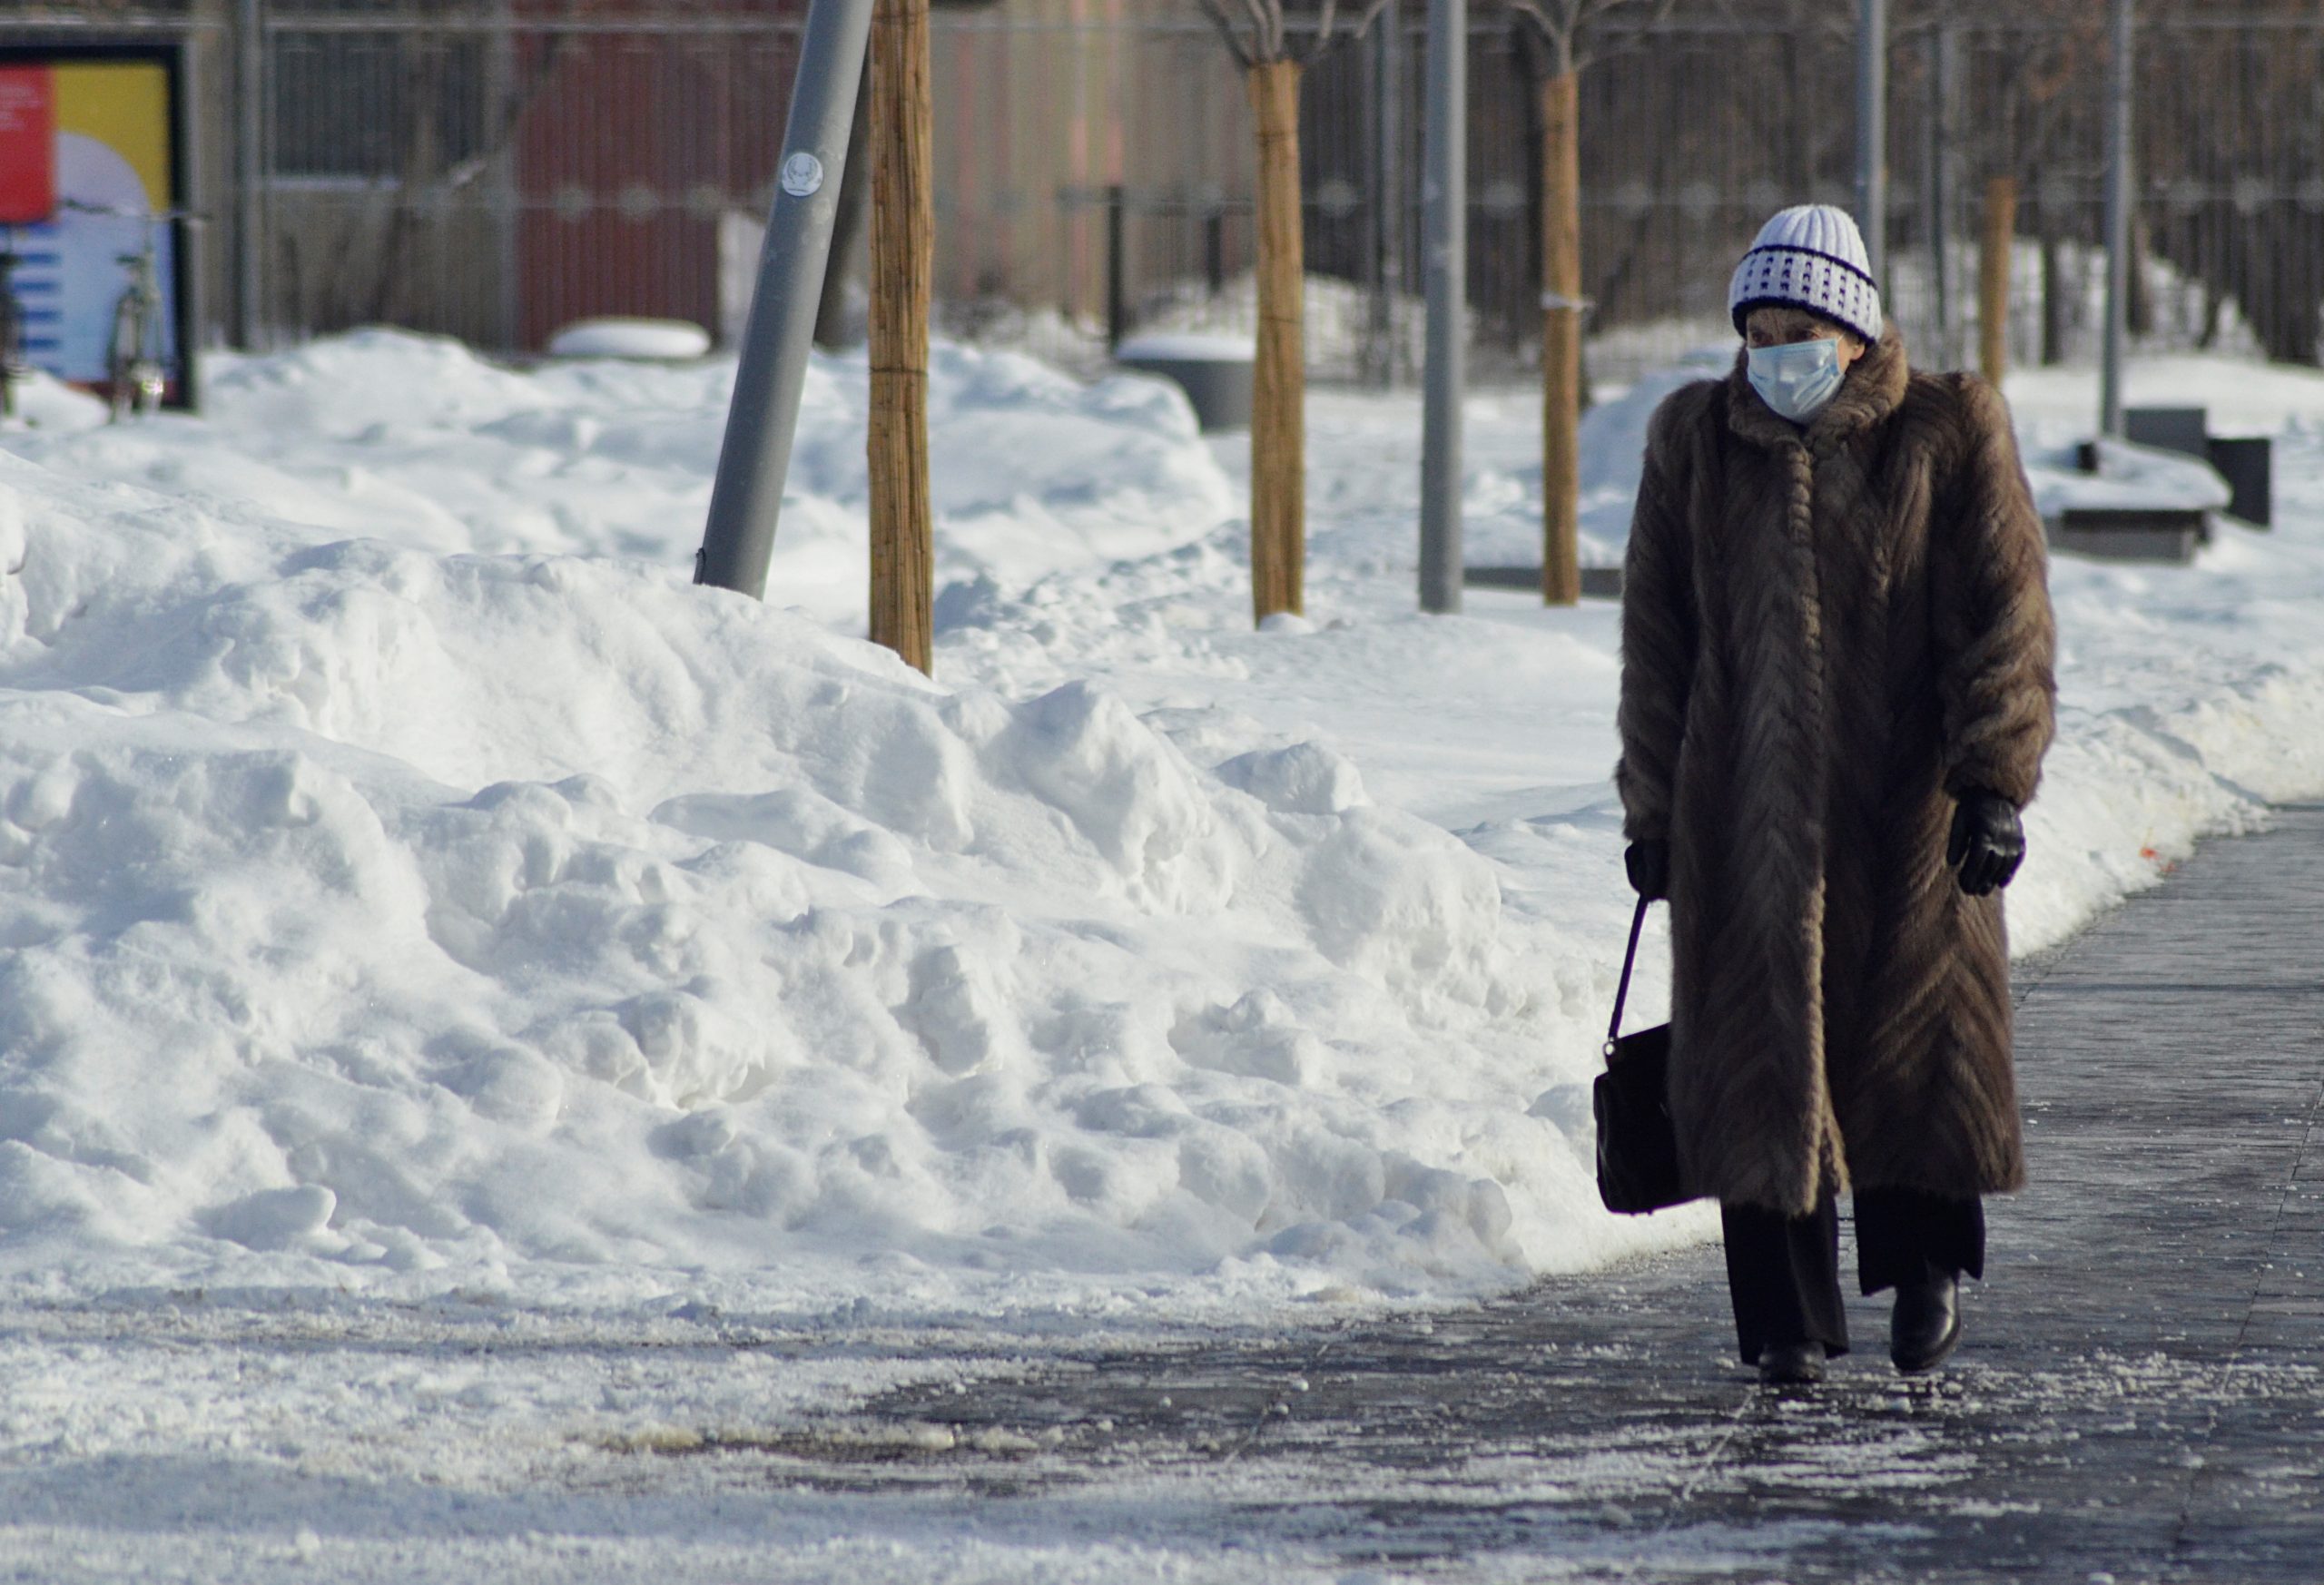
<point>1658,12</point>
<point>1324,20</point>
<point>1569,26</point>
<point>1233,41</point>
<point>1531,11</point>
<point>1264,44</point>
<point>1372,10</point>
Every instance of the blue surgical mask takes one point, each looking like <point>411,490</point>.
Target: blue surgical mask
<point>1799,379</point>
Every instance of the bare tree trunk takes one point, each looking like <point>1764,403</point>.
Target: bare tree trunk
<point>1802,105</point>
<point>2276,285</point>
<point>2054,292</point>
<point>1562,340</point>
<point>903,231</point>
<point>2142,304</point>
<point>1999,235</point>
<point>1619,296</point>
<point>1279,379</point>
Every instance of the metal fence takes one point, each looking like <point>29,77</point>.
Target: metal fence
<point>496,168</point>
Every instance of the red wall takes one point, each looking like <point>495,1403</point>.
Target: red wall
<point>627,152</point>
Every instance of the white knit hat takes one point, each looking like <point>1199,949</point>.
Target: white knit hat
<point>1810,257</point>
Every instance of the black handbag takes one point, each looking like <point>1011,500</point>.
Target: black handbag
<point>1637,1147</point>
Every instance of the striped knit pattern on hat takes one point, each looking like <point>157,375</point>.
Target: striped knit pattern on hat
<point>1810,257</point>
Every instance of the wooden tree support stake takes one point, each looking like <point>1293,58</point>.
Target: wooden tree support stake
<point>904,255</point>
<point>1561,340</point>
<point>1279,376</point>
<point>1995,238</point>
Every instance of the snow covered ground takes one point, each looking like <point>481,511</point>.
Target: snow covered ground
<point>428,917</point>
<point>416,886</point>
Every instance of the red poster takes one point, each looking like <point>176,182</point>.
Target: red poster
<point>27,145</point>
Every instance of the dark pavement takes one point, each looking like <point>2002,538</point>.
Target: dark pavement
<point>2139,1397</point>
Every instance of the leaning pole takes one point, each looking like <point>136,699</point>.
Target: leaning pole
<point>1445,254</point>
<point>755,455</point>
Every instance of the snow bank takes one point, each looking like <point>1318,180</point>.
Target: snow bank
<point>417,439</point>
<point>375,912</point>
<point>414,884</point>
<point>2133,477</point>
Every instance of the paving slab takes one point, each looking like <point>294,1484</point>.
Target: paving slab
<point>2139,1396</point>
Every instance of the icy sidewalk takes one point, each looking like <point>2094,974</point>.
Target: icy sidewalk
<point>2138,1396</point>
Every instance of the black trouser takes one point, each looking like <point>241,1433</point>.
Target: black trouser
<point>1783,1272</point>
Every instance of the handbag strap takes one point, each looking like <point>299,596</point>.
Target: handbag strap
<point>1623,990</point>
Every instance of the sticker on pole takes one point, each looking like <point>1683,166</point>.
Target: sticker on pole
<point>802,175</point>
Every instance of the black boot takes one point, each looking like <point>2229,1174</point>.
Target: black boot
<point>1925,1327</point>
<point>1783,1364</point>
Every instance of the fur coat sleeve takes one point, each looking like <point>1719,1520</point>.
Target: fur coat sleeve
<point>1658,637</point>
<point>1994,632</point>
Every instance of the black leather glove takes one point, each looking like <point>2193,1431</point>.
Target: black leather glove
<point>1987,844</point>
<point>1648,866</point>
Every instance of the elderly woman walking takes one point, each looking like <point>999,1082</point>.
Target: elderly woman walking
<point>1836,690</point>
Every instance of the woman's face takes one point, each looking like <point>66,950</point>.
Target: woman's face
<point>1780,327</point>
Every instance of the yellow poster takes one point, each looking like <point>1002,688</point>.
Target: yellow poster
<point>122,106</point>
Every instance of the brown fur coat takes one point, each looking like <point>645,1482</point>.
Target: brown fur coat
<point>1828,636</point>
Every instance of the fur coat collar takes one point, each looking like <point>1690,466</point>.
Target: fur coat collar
<point>1874,388</point>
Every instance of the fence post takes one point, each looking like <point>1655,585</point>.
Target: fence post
<point>1117,290</point>
<point>754,457</point>
<point>501,179</point>
<point>1944,135</point>
<point>903,258</point>
<point>249,172</point>
<point>1994,248</point>
<point>1369,226</point>
<point>1444,193</point>
<point>1388,88</point>
<point>2118,221</point>
<point>1872,132</point>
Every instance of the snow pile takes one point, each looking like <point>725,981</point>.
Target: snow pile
<point>417,439</point>
<point>620,337</point>
<point>379,912</point>
<point>2128,476</point>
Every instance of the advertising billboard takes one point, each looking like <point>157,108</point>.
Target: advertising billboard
<point>89,179</point>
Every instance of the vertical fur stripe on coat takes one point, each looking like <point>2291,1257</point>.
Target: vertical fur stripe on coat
<point>1829,635</point>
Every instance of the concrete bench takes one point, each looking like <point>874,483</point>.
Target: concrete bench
<point>2159,533</point>
<point>1598,583</point>
<point>2144,504</point>
<point>2246,461</point>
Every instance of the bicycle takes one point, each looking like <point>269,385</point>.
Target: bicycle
<point>137,351</point>
<point>15,367</point>
<point>136,360</point>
